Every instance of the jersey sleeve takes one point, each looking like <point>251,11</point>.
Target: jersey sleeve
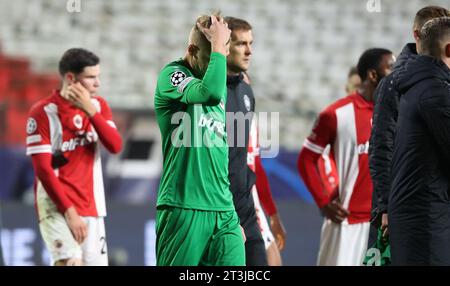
<point>38,132</point>
<point>52,185</point>
<point>177,83</point>
<point>263,188</point>
<point>323,132</point>
<point>105,127</point>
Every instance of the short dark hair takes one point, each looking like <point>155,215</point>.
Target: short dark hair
<point>370,59</point>
<point>235,24</point>
<point>433,33</point>
<point>76,59</point>
<point>352,71</point>
<point>427,13</point>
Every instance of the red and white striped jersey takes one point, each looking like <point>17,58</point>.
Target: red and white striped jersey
<point>346,126</point>
<point>54,125</point>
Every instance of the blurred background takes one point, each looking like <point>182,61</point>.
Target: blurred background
<point>302,53</point>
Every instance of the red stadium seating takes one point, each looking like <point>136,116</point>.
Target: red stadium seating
<point>20,88</point>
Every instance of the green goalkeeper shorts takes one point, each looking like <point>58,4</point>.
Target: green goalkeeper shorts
<point>187,237</point>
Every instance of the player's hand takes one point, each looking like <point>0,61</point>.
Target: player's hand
<point>81,98</point>
<point>218,34</point>
<point>335,211</point>
<point>384,224</point>
<point>77,226</point>
<point>243,233</point>
<point>278,230</point>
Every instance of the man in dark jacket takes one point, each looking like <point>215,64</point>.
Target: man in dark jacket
<point>240,107</point>
<point>419,203</point>
<point>384,123</point>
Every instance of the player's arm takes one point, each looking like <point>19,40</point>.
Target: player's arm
<point>102,121</point>
<point>322,135</point>
<point>263,188</point>
<point>176,85</point>
<point>265,196</point>
<point>42,164</point>
<point>40,150</point>
<point>211,89</point>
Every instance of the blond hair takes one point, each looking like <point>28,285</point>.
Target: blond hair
<point>196,36</point>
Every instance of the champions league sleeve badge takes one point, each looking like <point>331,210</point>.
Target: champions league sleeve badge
<point>31,125</point>
<point>177,77</point>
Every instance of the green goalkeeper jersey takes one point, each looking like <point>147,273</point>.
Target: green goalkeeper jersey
<point>191,117</point>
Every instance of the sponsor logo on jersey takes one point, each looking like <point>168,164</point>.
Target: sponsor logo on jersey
<point>212,124</point>
<point>88,138</point>
<point>31,125</point>
<point>177,77</point>
<point>247,102</point>
<point>363,148</point>
<point>78,121</point>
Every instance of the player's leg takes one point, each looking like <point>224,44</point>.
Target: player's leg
<point>353,244</point>
<point>227,243</point>
<point>329,244</point>
<point>64,249</point>
<point>182,235</point>
<point>94,247</point>
<point>273,254</point>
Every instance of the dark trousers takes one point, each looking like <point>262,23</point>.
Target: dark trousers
<point>255,251</point>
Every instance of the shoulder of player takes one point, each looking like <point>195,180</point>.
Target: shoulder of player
<point>38,108</point>
<point>174,67</point>
<point>331,109</point>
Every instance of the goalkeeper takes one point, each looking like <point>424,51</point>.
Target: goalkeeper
<point>196,220</point>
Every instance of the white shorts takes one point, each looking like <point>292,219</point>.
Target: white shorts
<point>62,245</point>
<point>262,221</point>
<point>343,244</point>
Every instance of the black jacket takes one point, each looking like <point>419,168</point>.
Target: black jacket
<point>419,203</point>
<point>240,99</point>
<point>383,131</point>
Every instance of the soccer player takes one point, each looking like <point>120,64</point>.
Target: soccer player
<point>64,130</point>
<point>196,220</point>
<point>384,123</point>
<point>240,110</point>
<point>419,204</point>
<point>345,125</point>
<point>353,81</point>
<point>325,166</point>
<point>262,198</point>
